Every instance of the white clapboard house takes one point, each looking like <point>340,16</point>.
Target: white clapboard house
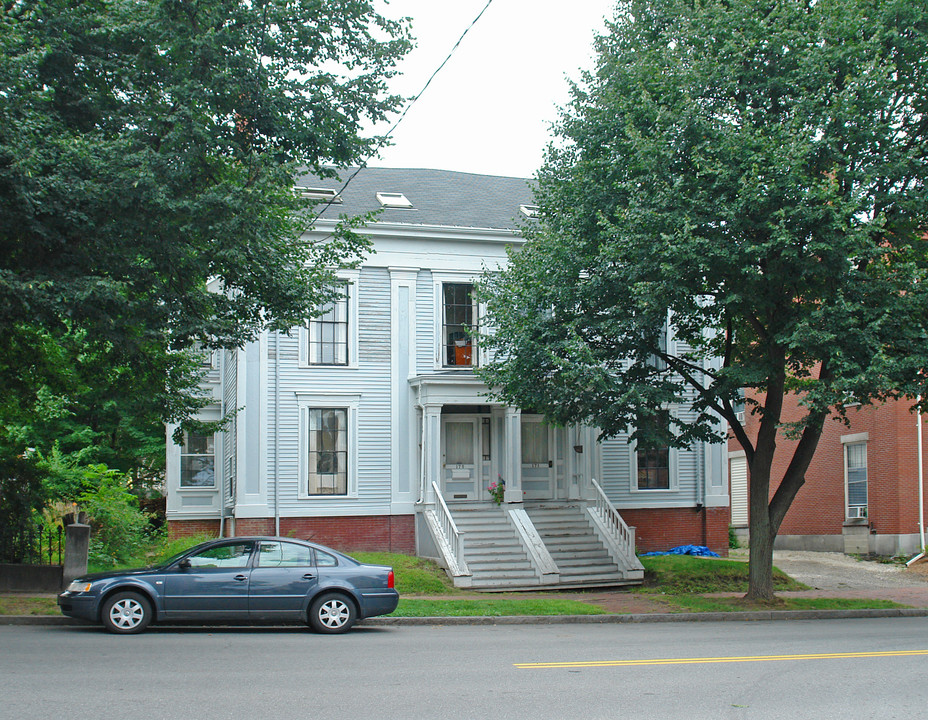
<point>368,428</point>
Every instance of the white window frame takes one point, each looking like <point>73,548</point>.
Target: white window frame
<point>217,455</point>
<point>350,278</point>
<point>349,403</point>
<point>847,442</point>
<point>439,280</point>
<point>673,468</point>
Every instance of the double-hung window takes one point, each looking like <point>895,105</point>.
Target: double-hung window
<point>653,458</point>
<point>458,325</point>
<point>855,474</point>
<point>328,331</point>
<point>198,461</point>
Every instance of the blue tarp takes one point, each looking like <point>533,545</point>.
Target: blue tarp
<point>698,550</point>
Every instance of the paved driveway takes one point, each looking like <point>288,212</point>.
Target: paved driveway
<point>835,571</point>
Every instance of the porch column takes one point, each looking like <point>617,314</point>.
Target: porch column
<point>512,454</point>
<point>431,450</point>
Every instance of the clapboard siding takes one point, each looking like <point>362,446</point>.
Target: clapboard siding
<point>369,381</point>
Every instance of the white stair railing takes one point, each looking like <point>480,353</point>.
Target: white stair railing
<point>452,537</point>
<point>623,535</point>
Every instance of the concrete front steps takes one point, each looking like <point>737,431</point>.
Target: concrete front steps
<point>533,546</point>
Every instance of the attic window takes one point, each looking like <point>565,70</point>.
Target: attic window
<point>393,200</point>
<point>327,194</point>
<point>529,210</point>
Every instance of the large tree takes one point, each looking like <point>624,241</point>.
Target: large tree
<point>148,150</point>
<point>754,173</point>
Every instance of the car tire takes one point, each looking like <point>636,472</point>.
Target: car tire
<point>332,613</point>
<point>126,613</point>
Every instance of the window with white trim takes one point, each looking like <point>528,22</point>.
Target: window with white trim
<point>654,460</point>
<point>458,325</point>
<point>855,475</point>
<point>328,457</point>
<point>328,331</point>
<point>198,461</point>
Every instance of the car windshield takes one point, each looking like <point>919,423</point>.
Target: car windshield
<point>178,556</point>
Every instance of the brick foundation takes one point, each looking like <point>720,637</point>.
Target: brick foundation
<point>659,529</point>
<point>387,533</point>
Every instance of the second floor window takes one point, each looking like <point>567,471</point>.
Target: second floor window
<point>459,325</point>
<point>328,331</point>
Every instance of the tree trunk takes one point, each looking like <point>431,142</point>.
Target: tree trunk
<point>760,570</point>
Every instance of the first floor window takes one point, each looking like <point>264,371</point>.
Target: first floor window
<point>328,451</point>
<point>198,461</point>
<point>652,454</point>
<point>654,468</point>
<point>855,459</point>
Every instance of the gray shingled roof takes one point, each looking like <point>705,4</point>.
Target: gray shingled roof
<point>439,197</point>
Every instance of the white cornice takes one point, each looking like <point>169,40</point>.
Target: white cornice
<point>432,233</point>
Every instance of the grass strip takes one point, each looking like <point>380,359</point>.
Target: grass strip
<point>699,603</point>
<point>28,605</point>
<point>491,606</point>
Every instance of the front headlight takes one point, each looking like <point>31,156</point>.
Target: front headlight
<point>79,586</point>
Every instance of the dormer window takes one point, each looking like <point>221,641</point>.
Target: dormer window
<point>530,211</point>
<point>393,200</point>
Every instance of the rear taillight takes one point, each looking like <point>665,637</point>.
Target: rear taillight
<point>390,579</point>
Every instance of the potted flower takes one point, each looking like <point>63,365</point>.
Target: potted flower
<point>497,490</point>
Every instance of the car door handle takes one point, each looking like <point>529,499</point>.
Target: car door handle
<point>309,576</point>
<point>240,578</point>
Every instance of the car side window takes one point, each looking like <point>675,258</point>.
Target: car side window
<point>323,559</point>
<point>235,555</point>
<point>276,554</point>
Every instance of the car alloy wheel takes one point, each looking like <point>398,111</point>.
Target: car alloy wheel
<point>126,613</point>
<point>332,613</point>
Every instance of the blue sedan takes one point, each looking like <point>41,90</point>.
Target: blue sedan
<point>244,579</point>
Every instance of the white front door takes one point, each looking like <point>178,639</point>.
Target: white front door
<point>538,470</point>
<point>460,443</point>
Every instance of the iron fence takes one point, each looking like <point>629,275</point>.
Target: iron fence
<point>33,547</point>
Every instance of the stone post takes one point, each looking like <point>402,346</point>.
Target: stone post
<point>76,548</point>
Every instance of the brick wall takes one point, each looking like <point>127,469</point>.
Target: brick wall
<point>388,533</point>
<point>662,529</point>
<point>892,471</point>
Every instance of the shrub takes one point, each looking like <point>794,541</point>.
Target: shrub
<point>119,529</point>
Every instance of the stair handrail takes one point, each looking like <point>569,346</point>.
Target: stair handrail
<point>619,528</point>
<point>453,536</point>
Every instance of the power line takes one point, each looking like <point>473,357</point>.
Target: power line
<point>412,102</point>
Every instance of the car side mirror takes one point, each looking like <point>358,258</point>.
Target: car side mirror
<point>184,564</point>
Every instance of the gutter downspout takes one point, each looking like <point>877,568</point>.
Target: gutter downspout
<point>921,489</point>
<point>277,433</point>
<point>222,414</point>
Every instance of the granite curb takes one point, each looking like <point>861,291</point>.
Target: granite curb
<point>745,616</point>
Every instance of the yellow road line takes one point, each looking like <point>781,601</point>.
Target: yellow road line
<point>699,661</point>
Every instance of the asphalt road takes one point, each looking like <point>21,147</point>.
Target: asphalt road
<point>868,668</point>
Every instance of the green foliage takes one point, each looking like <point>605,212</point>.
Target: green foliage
<point>147,157</point>
<point>166,549</point>
<point>684,574</point>
<point>754,174</point>
<point>414,575</point>
<point>120,531</point>
<point>733,538</point>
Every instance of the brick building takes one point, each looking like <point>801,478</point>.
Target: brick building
<point>861,493</point>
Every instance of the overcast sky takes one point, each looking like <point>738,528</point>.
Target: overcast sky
<point>489,110</point>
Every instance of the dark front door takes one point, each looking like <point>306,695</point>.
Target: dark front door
<point>214,585</point>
